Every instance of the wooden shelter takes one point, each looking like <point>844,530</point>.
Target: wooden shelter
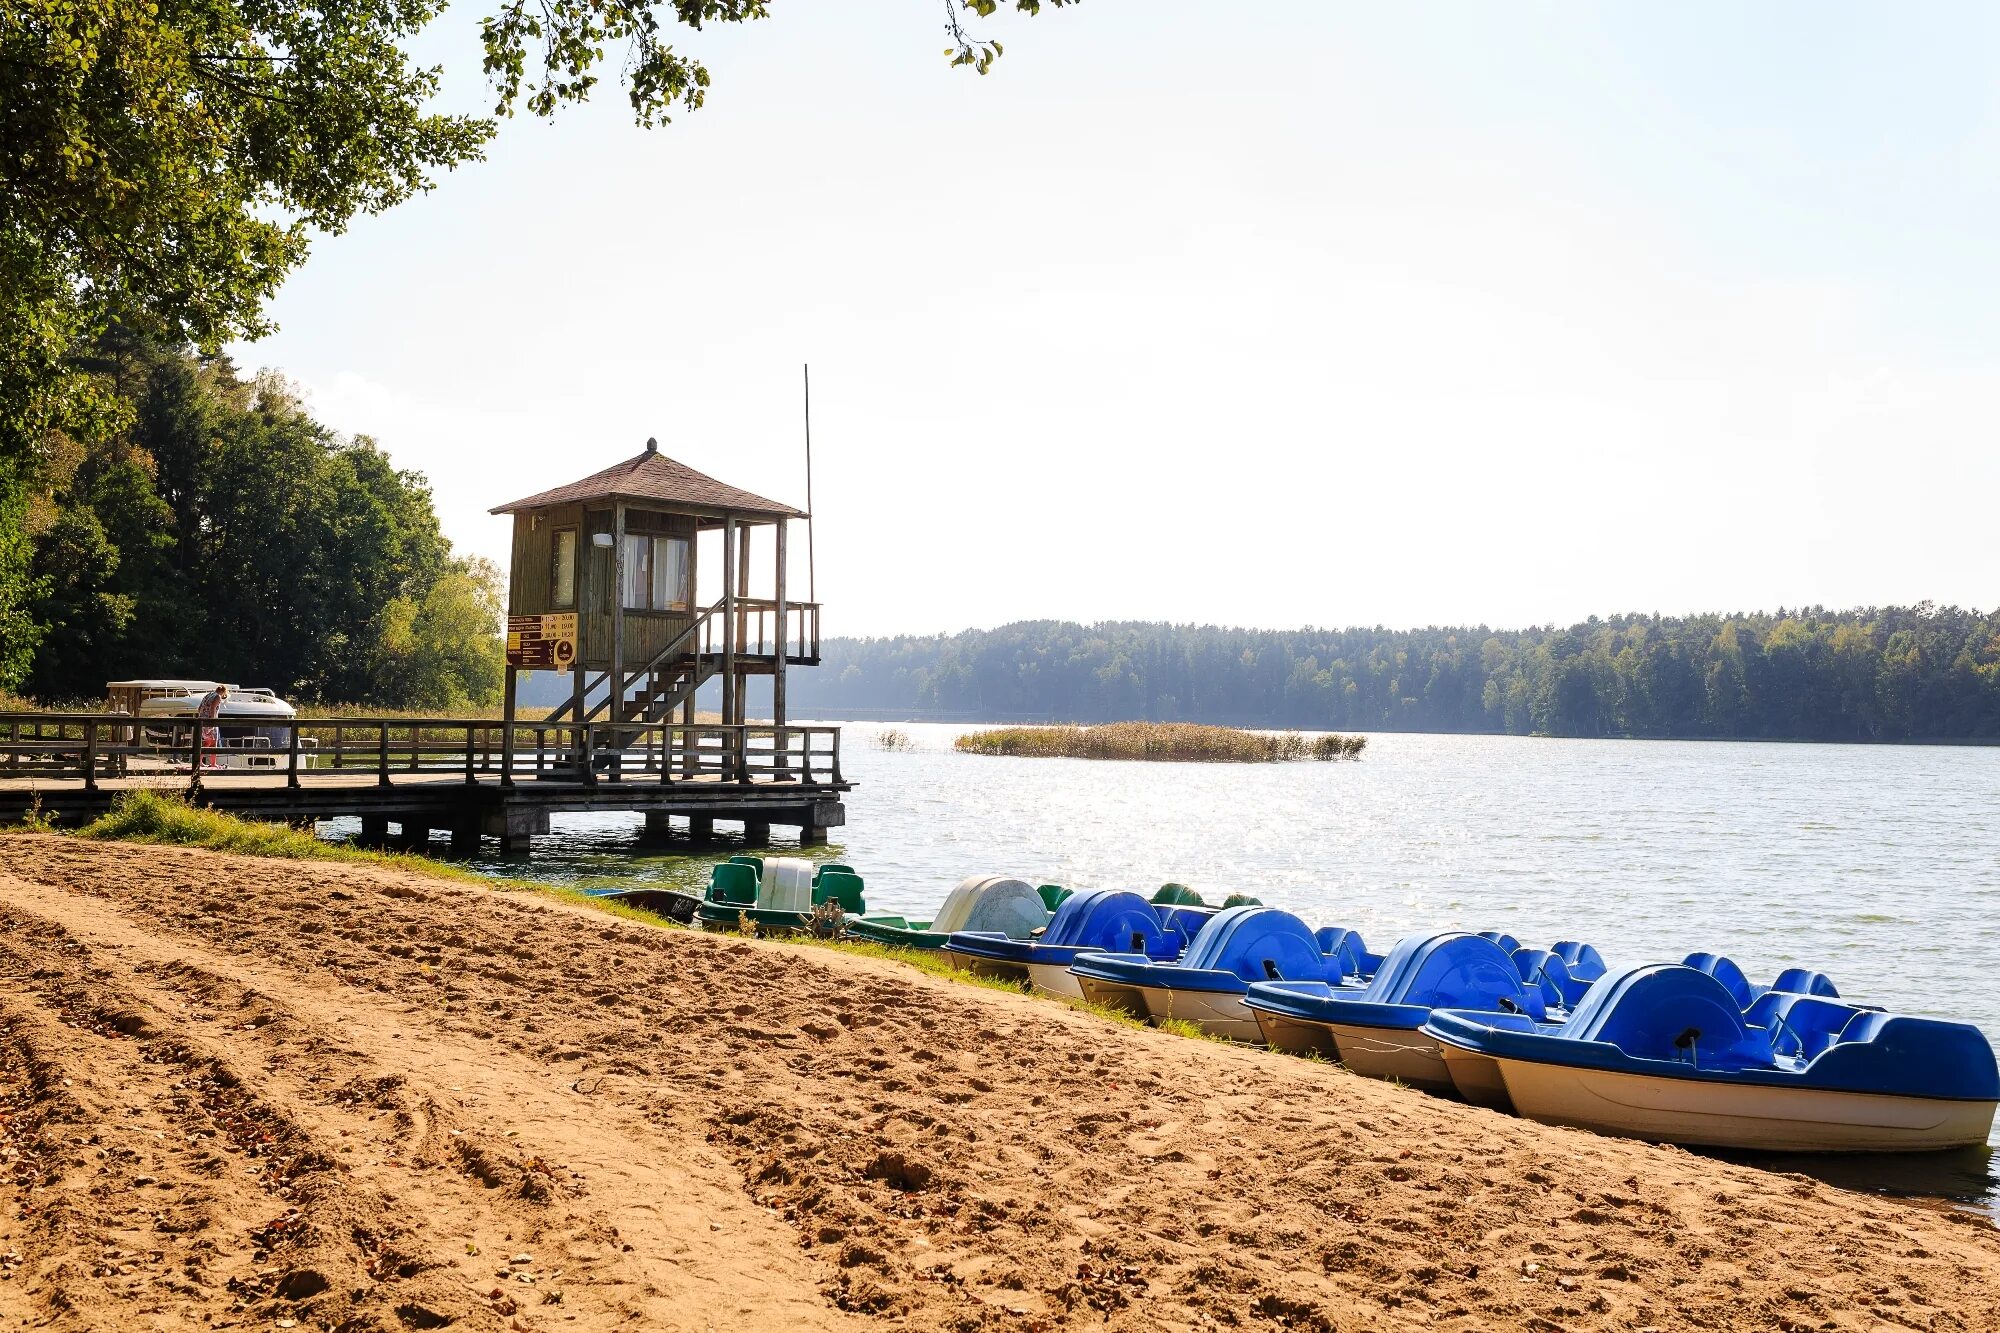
<point>606,584</point>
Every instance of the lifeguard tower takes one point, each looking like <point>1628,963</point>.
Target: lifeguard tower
<point>605,578</point>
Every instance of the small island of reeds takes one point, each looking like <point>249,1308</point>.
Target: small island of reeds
<point>1183,742</point>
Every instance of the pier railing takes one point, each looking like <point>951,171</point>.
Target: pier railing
<point>91,747</point>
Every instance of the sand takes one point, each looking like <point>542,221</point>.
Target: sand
<point>265,1094</point>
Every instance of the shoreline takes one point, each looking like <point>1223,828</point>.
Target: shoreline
<point>788,1136</point>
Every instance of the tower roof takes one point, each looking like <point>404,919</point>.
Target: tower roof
<point>652,476</point>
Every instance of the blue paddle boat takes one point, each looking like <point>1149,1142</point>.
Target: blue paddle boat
<point>1375,1029</point>
<point>1094,921</point>
<point>1239,945</point>
<point>1666,1052</point>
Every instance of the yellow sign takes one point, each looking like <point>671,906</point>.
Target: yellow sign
<point>542,643</point>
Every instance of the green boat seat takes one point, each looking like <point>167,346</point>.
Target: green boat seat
<point>836,866</point>
<point>1242,900</point>
<point>732,882</point>
<point>1053,894</point>
<point>1176,895</point>
<point>842,888</point>
<point>756,863</point>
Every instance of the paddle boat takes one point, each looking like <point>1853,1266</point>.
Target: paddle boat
<point>1666,1052</point>
<point>1239,945</point>
<point>778,894</point>
<point>1565,972</point>
<point>1094,921</point>
<point>1375,1029</point>
<point>988,904</point>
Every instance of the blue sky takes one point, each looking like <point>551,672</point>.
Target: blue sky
<point>1267,314</point>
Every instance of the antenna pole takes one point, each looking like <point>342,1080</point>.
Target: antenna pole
<point>812,577</point>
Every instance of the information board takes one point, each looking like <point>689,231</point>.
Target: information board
<point>542,643</point>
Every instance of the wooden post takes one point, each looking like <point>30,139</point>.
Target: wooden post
<point>730,634</point>
<point>471,763</point>
<point>778,738</point>
<point>507,728</point>
<point>382,756</point>
<point>619,611</point>
<point>90,756</point>
<point>292,757</point>
<point>194,760</point>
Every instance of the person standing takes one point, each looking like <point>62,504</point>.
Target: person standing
<point>211,737</point>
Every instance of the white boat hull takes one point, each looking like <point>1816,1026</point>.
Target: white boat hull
<point>1296,1037</point>
<point>1113,995</point>
<point>1403,1055</point>
<point>985,967</point>
<point>1217,1014</point>
<point>1476,1077</point>
<point>1054,979</point>
<point>1740,1115</point>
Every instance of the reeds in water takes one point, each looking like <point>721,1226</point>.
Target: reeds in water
<point>1180,742</point>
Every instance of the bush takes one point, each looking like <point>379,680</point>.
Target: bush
<point>1184,742</point>
<point>894,738</point>
<point>164,817</point>
<point>1332,746</point>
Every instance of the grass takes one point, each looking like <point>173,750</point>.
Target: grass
<point>1180,742</point>
<point>165,819</point>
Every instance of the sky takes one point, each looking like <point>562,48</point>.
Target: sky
<point>1272,315</point>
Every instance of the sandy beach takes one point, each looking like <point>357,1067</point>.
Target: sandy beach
<point>263,1094</point>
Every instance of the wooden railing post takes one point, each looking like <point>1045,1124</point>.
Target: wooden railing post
<point>471,776</point>
<point>836,754</point>
<point>586,754</point>
<point>90,756</point>
<point>194,758</point>
<point>292,758</point>
<point>382,755</point>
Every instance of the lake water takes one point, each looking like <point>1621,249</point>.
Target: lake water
<point>1875,864</point>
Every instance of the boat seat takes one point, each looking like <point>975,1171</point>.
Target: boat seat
<point>1583,960</point>
<point>1805,981</point>
<point>1052,895</point>
<point>1508,944</point>
<point>1544,968</point>
<point>1343,949</point>
<point>754,862</point>
<point>1242,900</point>
<point>1728,973</point>
<point>1176,895</point>
<point>841,888</point>
<point>1800,1025</point>
<point>825,866</point>
<point>733,882</point>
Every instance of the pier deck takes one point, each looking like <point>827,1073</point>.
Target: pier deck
<point>474,778</point>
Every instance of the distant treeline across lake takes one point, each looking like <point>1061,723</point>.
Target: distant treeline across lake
<point>1920,673</point>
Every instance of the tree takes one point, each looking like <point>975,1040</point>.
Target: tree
<point>164,164</point>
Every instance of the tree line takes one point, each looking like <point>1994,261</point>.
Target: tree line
<point>220,532</point>
<point>1916,673</point>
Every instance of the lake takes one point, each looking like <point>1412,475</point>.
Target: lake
<point>1875,864</point>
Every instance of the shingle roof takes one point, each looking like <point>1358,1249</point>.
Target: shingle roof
<point>653,476</point>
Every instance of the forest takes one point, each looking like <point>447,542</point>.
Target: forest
<point>220,532</point>
<point>1918,673</point>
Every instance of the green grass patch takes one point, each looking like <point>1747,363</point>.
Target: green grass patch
<point>1183,1027</point>
<point>1177,742</point>
<point>165,819</point>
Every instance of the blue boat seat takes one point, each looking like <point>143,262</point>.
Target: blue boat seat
<point>1726,972</point>
<point>1543,968</point>
<point>1804,981</point>
<point>1506,942</point>
<point>1684,1015</point>
<point>1800,1025</point>
<point>1346,948</point>
<point>1583,960</point>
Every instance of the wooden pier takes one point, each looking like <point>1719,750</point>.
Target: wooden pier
<point>473,778</point>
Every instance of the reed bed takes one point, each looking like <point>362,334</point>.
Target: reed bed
<point>1178,742</point>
